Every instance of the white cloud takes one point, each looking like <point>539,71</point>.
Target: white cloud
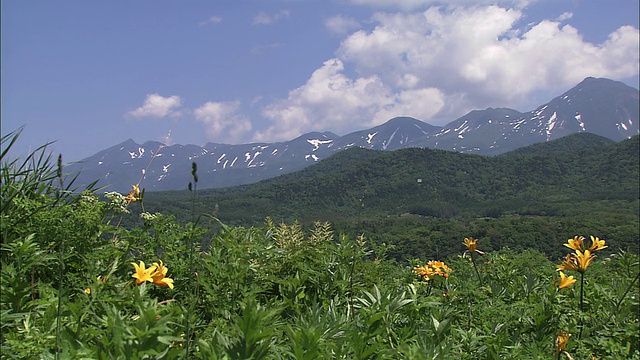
<point>156,106</point>
<point>331,100</point>
<point>340,25</point>
<point>223,121</point>
<point>480,51</point>
<point>416,4</point>
<point>212,20</point>
<point>264,18</point>
<point>418,103</point>
<point>565,16</point>
<point>438,64</point>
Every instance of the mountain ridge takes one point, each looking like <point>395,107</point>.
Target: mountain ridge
<point>604,107</point>
<point>361,183</point>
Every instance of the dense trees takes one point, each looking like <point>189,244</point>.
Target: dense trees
<point>546,194</point>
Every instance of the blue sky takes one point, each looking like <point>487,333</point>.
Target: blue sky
<point>89,75</point>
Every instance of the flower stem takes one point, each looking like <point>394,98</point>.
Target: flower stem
<point>581,304</point>
<point>61,264</point>
<point>473,261</point>
<point>581,291</point>
<point>191,250</point>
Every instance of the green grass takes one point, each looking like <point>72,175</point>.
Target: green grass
<point>283,291</point>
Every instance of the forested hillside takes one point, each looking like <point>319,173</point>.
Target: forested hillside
<point>528,196</point>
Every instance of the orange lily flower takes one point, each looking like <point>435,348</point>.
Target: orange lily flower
<point>564,281</point>
<point>159,276</point>
<point>597,244</point>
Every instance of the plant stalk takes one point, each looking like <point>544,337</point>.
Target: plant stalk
<point>581,304</point>
<point>473,261</point>
<point>615,310</point>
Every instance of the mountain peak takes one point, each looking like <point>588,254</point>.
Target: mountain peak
<point>601,84</point>
<point>599,106</point>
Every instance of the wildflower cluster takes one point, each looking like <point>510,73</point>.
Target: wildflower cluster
<point>432,269</point>
<point>580,259</point>
<point>146,216</point>
<point>117,202</point>
<point>155,273</point>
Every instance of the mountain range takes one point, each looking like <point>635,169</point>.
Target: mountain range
<point>596,105</point>
<point>576,174</point>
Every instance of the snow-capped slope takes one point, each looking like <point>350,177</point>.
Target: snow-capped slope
<point>396,133</point>
<point>600,106</point>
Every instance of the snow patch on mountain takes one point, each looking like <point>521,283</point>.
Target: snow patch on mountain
<point>138,155</point>
<point>579,118</point>
<point>255,155</point>
<point>317,142</point>
<point>385,144</point>
<point>551,124</point>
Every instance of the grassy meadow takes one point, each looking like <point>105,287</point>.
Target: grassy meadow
<point>77,284</point>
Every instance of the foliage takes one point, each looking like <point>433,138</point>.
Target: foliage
<point>518,200</point>
<point>285,290</point>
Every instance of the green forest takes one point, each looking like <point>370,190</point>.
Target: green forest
<point>410,254</point>
<point>531,198</point>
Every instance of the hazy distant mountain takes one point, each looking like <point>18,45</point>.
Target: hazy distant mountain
<point>600,106</point>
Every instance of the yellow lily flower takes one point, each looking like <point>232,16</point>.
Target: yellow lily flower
<point>159,276</point>
<point>433,268</point>
<point>562,340</point>
<point>564,281</point>
<point>424,271</point>
<point>143,274</point>
<point>584,259</point>
<point>130,198</point>
<point>597,244</point>
<point>439,267</point>
<point>569,263</point>
<point>577,243</point>
<point>134,194</point>
<point>471,244</point>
